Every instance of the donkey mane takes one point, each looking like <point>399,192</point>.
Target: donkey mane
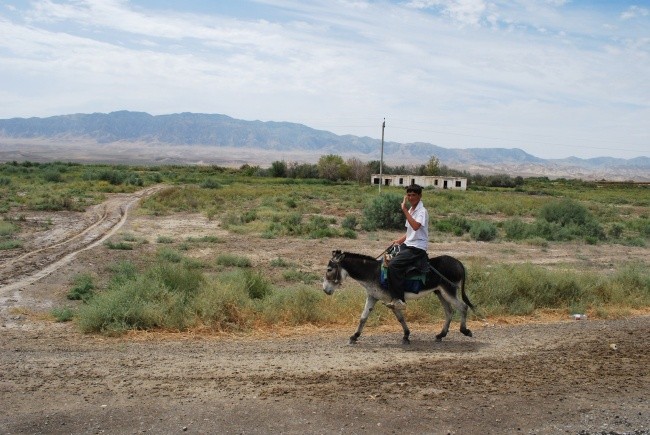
<point>359,256</point>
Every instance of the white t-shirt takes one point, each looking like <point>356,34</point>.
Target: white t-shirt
<point>419,238</point>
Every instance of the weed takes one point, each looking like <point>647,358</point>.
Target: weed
<point>10,244</point>
<point>280,262</point>
<point>83,288</point>
<point>118,245</point>
<point>64,314</point>
<point>300,276</point>
<point>383,212</point>
<point>170,255</point>
<point>233,260</point>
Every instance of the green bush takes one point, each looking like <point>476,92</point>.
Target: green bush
<point>118,245</point>
<point>52,176</point>
<point>383,212</point>
<point>224,305</point>
<point>280,262</point>
<point>257,287</point>
<point>294,306</point>
<point>170,255</point>
<point>483,231</point>
<point>523,288</point>
<point>457,225</point>
<point>233,260</point>
<point>300,276</point>
<point>7,229</point>
<point>83,288</point>
<point>349,222</point>
<point>64,314</point>
<point>210,183</point>
<point>10,244</point>
<point>515,229</point>
<point>159,298</point>
<point>567,219</point>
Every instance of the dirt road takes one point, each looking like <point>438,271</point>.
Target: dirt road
<point>578,377</point>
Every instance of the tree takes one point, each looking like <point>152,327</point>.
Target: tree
<point>359,171</point>
<point>279,169</point>
<point>432,166</point>
<point>332,167</point>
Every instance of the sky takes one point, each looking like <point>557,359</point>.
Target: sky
<point>555,78</point>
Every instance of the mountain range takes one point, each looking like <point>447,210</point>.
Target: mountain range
<point>137,137</point>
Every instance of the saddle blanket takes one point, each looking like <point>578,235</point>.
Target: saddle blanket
<point>414,283</point>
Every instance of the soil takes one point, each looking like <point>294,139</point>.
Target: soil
<point>542,375</point>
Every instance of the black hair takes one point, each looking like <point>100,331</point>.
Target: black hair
<point>415,188</point>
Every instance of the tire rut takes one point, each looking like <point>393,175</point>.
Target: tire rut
<point>36,264</point>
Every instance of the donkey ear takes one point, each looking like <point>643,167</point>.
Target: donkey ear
<point>336,253</point>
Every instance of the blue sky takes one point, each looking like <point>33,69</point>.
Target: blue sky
<point>556,78</point>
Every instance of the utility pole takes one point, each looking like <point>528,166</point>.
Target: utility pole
<point>381,161</point>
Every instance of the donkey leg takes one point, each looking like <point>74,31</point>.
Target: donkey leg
<point>449,312</point>
<point>463,321</point>
<point>461,306</point>
<point>370,304</point>
<point>402,320</point>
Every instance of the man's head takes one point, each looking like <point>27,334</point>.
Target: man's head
<point>414,188</point>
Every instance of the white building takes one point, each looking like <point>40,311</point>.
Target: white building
<point>439,182</point>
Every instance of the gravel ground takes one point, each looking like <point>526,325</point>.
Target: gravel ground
<point>577,377</point>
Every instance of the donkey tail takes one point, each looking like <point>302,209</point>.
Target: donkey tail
<point>462,291</point>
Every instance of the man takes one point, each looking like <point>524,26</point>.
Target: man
<point>413,245</point>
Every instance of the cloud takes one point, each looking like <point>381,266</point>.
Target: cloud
<point>463,11</point>
<point>453,72</point>
<point>634,12</point>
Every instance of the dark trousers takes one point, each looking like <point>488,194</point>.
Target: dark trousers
<point>398,267</point>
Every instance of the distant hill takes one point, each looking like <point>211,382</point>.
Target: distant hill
<point>205,138</point>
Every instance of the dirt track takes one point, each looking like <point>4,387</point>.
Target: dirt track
<point>548,378</point>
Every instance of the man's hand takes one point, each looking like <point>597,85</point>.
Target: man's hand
<point>404,203</point>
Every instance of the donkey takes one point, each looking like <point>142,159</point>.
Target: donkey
<point>445,278</point>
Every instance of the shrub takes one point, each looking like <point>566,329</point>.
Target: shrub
<point>233,260</point>
<point>383,212</point>
<point>457,225</point>
<point>10,244</point>
<point>257,287</point>
<point>280,262</point>
<point>158,298</point>
<point>616,230</point>
<point>7,229</point>
<point>349,222</point>
<point>52,176</point>
<point>82,289</point>
<point>566,219</point>
<point>210,183</point>
<point>64,314</point>
<point>294,307</point>
<point>483,231</point>
<point>224,305</point>
<point>299,276</point>
<point>515,229</point>
<point>169,255</point>
<point>118,245</point>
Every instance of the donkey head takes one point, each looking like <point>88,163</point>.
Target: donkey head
<point>335,273</point>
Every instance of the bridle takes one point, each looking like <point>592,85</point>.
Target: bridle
<point>335,262</point>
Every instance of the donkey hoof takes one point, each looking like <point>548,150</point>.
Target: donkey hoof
<point>439,337</point>
<point>405,340</point>
<point>353,340</point>
<point>467,332</point>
